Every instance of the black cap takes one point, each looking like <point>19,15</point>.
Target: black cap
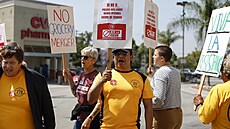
<point>125,50</point>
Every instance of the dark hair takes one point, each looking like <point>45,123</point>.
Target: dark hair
<point>165,51</point>
<point>12,49</point>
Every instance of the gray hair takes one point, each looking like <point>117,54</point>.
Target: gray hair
<point>92,51</point>
<point>226,66</point>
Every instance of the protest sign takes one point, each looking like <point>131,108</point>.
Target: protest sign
<point>215,45</point>
<point>216,42</point>
<point>61,29</point>
<point>113,24</point>
<point>150,24</point>
<point>2,34</point>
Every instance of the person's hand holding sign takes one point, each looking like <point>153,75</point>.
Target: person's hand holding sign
<point>198,100</point>
<point>106,76</point>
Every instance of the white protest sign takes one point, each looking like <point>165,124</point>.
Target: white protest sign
<point>113,24</point>
<point>150,24</point>
<point>2,34</point>
<point>61,29</point>
<point>216,43</point>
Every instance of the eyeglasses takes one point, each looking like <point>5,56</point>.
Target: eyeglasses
<point>86,57</point>
<point>121,53</point>
<point>9,47</point>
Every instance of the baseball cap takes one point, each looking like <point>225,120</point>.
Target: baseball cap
<point>125,50</point>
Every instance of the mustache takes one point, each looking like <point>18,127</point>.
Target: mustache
<point>121,61</point>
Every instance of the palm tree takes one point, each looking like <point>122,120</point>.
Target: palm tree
<point>198,16</point>
<point>168,37</point>
<point>82,40</point>
<point>88,37</point>
<point>85,38</point>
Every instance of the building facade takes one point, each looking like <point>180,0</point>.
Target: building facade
<point>26,22</point>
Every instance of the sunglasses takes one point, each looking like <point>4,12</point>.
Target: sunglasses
<point>121,53</point>
<point>9,47</point>
<point>86,57</point>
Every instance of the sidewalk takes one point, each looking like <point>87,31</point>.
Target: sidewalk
<point>54,84</point>
<point>207,88</point>
<point>192,89</point>
<point>213,81</point>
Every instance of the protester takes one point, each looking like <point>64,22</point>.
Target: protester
<point>122,90</point>
<point>216,107</point>
<point>25,101</point>
<point>87,116</point>
<point>166,84</point>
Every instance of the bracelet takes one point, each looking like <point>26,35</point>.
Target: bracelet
<point>199,104</point>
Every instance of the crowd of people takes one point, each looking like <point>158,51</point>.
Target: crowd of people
<point>107,100</point>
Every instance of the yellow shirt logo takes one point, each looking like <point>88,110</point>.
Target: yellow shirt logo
<point>135,83</point>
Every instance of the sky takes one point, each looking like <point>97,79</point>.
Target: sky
<point>168,10</point>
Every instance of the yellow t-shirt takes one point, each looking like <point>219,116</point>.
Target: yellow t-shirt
<point>122,99</point>
<point>216,107</point>
<point>15,109</point>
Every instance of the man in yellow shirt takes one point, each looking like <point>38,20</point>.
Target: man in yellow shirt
<point>25,101</point>
<point>122,90</point>
<point>216,107</point>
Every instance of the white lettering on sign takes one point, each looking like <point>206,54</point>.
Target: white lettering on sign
<point>150,33</point>
<point>112,33</point>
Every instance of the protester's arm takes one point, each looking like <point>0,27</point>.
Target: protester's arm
<point>159,93</point>
<point>47,105</point>
<point>148,113</point>
<point>89,119</point>
<point>210,108</point>
<point>96,88</point>
<point>68,76</point>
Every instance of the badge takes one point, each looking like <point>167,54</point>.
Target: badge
<point>135,83</point>
<point>113,82</point>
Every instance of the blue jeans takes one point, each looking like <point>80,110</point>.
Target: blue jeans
<point>77,124</point>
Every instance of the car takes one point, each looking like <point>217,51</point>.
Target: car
<point>195,75</point>
<point>75,71</point>
<point>187,73</point>
<point>190,74</point>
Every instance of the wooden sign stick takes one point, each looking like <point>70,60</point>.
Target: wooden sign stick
<point>64,63</point>
<point>150,61</point>
<point>150,57</point>
<point>200,89</point>
<point>109,61</point>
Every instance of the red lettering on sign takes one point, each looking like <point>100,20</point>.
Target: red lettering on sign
<point>62,42</point>
<point>63,15</point>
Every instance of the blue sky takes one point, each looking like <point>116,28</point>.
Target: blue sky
<point>84,10</point>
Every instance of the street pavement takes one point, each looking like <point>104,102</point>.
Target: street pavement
<point>64,102</point>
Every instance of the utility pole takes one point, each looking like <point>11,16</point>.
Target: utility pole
<point>183,4</point>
